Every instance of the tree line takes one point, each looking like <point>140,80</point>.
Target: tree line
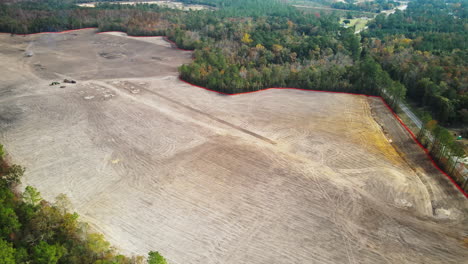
<point>444,149</point>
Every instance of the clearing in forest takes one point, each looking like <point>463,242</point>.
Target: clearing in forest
<point>278,176</point>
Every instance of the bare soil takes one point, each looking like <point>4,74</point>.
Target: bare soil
<point>279,176</point>
<point>169,4</point>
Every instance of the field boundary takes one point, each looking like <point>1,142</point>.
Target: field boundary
<point>164,37</point>
<point>413,136</point>
<point>52,32</point>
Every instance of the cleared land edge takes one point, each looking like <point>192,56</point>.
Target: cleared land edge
<point>285,88</point>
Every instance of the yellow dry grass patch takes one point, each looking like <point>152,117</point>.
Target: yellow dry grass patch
<point>359,23</point>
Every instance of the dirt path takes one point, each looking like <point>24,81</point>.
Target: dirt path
<point>224,122</point>
<point>445,198</point>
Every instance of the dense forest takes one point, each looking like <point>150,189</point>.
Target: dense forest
<point>425,49</point>
<point>36,231</point>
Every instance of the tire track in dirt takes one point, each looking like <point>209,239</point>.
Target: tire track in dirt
<point>442,193</point>
<point>224,122</point>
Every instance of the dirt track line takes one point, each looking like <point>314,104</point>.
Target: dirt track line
<point>248,132</point>
<point>253,134</point>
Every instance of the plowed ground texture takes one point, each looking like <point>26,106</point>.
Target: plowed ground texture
<point>278,176</point>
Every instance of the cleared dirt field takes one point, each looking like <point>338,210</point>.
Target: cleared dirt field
<point>169,4</point>
<point>279,176</point>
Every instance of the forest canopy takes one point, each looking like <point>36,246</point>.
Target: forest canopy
<point>424,48</point>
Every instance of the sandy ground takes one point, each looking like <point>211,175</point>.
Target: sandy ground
<point>280,176</point>
<point>169,4</point>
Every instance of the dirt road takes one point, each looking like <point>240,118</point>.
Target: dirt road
<point>442,192</point>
